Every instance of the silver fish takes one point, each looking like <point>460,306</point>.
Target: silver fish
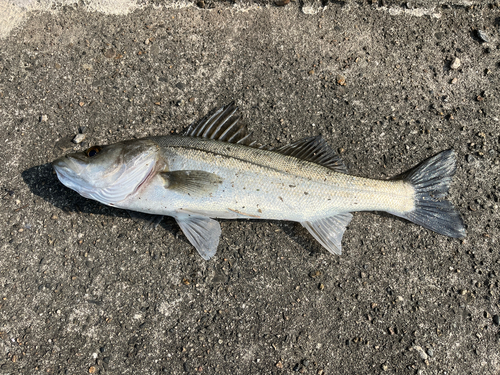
<point>214,171</point>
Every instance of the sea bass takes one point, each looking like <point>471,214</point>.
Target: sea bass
<point>214,171</point>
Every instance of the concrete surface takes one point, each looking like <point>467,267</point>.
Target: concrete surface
<point>84,289</point>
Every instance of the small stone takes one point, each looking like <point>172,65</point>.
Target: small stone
<point>279,364</point>
<point>87,67</point>
<point>57,66</point>
<point>341,80</point>
<point>79,138</point>
<point>454,80</point>
<point>384,367</point>
<point>496,319</point>
<point>201,4</point>
<point>180,85</point>
<point>455,64</point>
<point>281,3</point>
<point>421,352</point>
<point>65,144</point>
<point>321,286</point>
<point>311,72</point>
<point>44,118</point>
<point>92,370</point>
<point>314,274</point>
<point>109,53</point>
<point>54,217</point>
<point>470,158</point>
<point>82,129</point>
<point>81,104</point>
<point>483,36</point>
<point>430,352</point>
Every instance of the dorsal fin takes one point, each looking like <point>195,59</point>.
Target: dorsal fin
<point>222,125</point>
<point>315,150</point>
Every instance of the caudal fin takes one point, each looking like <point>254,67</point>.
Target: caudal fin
<point>431,180</point>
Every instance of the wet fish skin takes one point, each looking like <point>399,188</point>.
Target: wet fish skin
<point>214,171</point>
<point>257,183</point>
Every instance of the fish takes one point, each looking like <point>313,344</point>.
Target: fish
<point>214,171</point>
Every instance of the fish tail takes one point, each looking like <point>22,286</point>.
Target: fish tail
<point>431,180</point>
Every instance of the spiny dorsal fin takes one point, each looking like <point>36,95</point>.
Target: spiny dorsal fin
<point>315,150</point>
<point>222,125</point>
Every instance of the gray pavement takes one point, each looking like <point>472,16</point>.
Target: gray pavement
<point>86,289</point>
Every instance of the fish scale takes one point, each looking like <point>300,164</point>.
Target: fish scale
<point>274,181</point>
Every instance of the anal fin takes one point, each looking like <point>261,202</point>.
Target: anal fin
<point>202,232</point>
<point>328,231</point>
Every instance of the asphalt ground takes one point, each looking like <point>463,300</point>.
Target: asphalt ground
<point>87,289</point>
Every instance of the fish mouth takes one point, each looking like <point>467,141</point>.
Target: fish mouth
<point>70,163</point>
<point>68,169</point>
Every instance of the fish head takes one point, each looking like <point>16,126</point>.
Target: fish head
<point>109,174</point>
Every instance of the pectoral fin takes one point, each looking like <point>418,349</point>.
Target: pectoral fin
<point>202,232</point>
<point>195,183</point>
<point>328,231</point>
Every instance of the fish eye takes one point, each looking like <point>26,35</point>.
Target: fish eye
<point>93,151</point>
